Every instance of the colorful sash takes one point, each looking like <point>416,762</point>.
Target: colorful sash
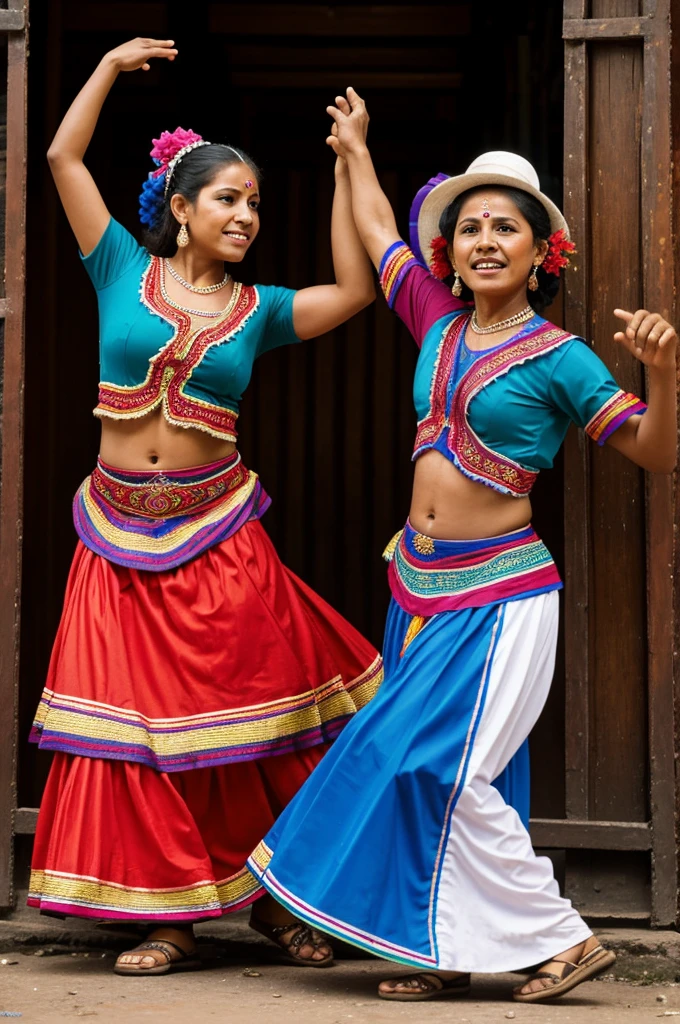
<point>428,576</point>
<point>161,520</point>
<point>468,451</point>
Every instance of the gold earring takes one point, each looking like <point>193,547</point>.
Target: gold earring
<point>182,237</point>
<point>457,286</point>
<point>532,283</point>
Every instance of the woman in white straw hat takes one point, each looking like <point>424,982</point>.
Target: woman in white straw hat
<point>423,796</point>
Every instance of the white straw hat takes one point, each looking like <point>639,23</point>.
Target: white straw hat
<point>496,168</point>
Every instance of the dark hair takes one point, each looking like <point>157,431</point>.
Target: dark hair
<point>193,172</point>
<point>539,222</point>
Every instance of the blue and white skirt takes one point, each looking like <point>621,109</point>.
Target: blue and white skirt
<point>409,839</point>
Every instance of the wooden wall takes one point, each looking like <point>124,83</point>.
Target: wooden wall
<point>329,424</point>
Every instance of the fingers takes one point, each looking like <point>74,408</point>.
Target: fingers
<point>342,104</point>
<point>669,337</point>
<point>333,142</point>
<point>336,114</point>
<point>646,334</point>
<point>354,98</point>
<point>166,44</point>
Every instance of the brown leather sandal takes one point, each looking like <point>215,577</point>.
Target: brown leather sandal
<point>183,961</point>
<point>589,966</point>
<point>428,985</point>
<point>303,935</point>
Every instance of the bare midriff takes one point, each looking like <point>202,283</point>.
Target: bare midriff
<point>447,505</point>
<point>152,443</point>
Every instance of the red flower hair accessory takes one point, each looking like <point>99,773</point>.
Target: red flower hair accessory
<point>558,245</point>
<point>440,264</point>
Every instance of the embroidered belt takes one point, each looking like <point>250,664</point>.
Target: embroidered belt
<point>428,576</point>
<point>161,520</point>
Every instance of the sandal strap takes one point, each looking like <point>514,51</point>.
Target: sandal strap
<point>161,945</point>
<point>305,936</point>
<point>594,952</point>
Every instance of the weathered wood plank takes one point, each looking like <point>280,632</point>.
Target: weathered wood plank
<point>381,20</point>
<point>603,29</point>
<point>12,21</point>
<point>578,834</point>
<point>141,19</point>
<point>334,80</point>
<point>12,445</point>
<point>617,521</point>
<point>25,821</point>
<point>576,454</point>
<point>660,270</point>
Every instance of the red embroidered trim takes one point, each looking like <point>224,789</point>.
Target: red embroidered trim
<point>171,368</point>
<point>470,451</point>
<point>164,498</point>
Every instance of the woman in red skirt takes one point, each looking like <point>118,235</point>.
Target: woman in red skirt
<point>195,681</point>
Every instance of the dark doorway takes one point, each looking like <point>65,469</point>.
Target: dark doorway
<point>329,427</point>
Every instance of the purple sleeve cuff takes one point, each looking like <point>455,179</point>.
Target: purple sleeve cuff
<point>615,411</point>
<point>394,267</point>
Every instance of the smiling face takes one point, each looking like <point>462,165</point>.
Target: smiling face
<point>493,246</point>
<point>224,220</point>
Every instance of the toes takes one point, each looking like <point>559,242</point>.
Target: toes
<point>388,986</point>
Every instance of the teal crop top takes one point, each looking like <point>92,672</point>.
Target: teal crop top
<point>153,354</point>
<point>504,416</point>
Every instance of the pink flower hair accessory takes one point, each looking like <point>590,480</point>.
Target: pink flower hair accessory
<point>555,259</point>
<point>440,264</point>
<point>169,149</point>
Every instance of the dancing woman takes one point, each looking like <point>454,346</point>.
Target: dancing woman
<point>429,865</point>
<point>194,682</point>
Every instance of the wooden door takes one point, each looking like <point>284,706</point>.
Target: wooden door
<point>13,53</point>
<point>619,828</point>
<point>329,425</point>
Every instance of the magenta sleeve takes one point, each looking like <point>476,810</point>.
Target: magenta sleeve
<point>417,297</point>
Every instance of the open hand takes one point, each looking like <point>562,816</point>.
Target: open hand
<point>648,337</point>
<point>138,52</point>
<point>350,123</point>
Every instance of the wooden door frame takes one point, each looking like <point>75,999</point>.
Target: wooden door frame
<point>13,22</point>
<point>578,830</point>
<point>660,271</point>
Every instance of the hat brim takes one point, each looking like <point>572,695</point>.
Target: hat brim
<point>444,194</point>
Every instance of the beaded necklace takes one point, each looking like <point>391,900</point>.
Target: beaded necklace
<point>511,321</point>
<point>197,289</point>
<point>212,313</point>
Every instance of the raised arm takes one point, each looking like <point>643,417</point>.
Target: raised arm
<point>650,440</point>
<point>372,211</point>
<point>86,210</point>
<point>322,307</point>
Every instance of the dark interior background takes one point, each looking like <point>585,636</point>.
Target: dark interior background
<point>328,425</point>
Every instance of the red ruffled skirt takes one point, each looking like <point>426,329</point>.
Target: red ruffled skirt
<point>186,708</point>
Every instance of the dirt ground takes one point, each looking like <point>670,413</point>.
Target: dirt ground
<point>246,986</point>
